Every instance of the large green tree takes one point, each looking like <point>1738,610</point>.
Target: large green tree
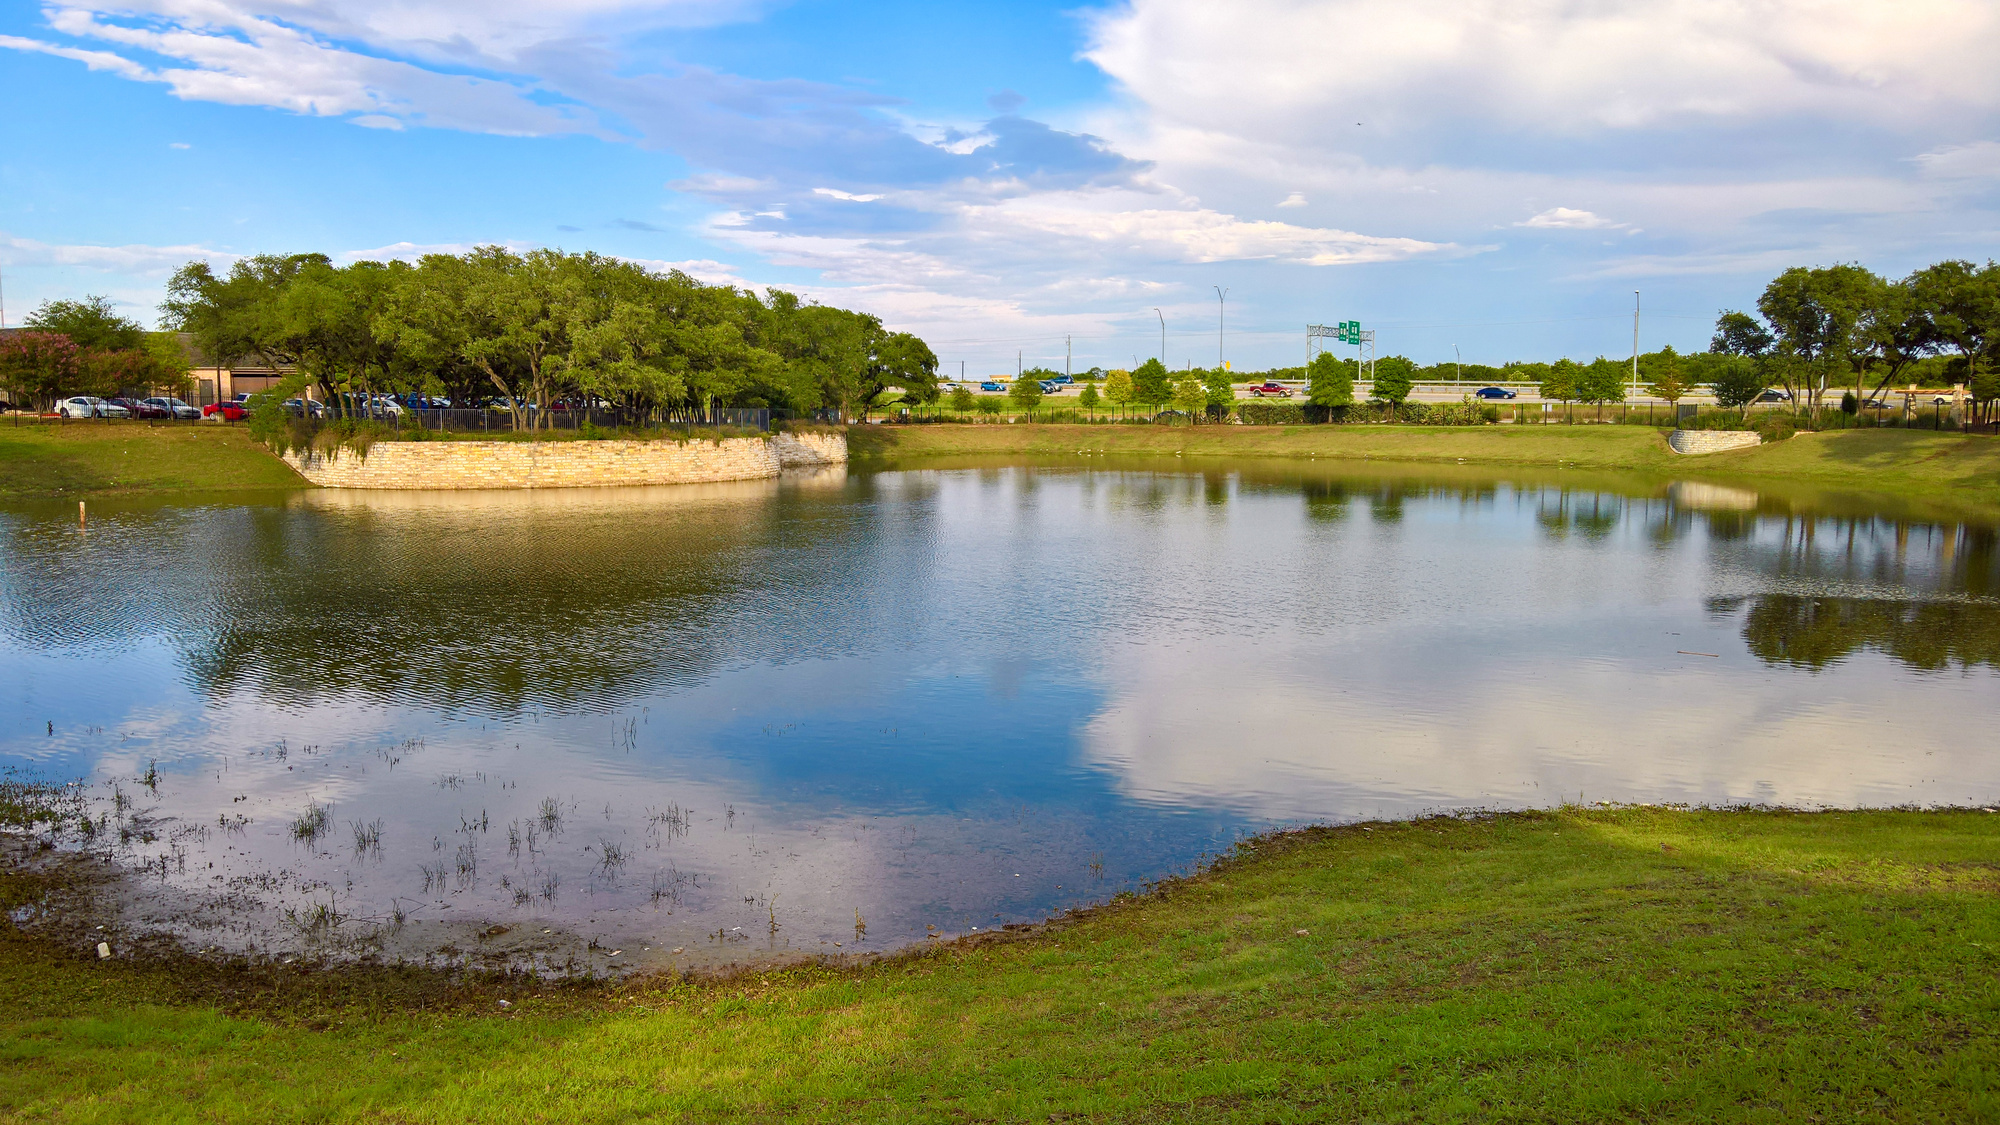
<point>1151,384</point>
<point>1961,301</point>
<point>1395,377</point>
<point>1330,381</point>
<point>92,323</point>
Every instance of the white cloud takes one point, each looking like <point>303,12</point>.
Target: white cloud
<point>237,56</point>
<point>129,259</point>
<point>1569,218</point>
<point>849,196</point>
<point>95,60</point>
<point>1296,199</point>
<point>1189,235</point>
<point>1546,66</point>
<point>1979,160</point>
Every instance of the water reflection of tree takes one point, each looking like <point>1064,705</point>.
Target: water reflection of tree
<point>1817,632</point>
<point>542,603</point>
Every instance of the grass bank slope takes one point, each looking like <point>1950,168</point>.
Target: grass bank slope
<point>1572,966</point>
<point>113,457</point>
<point>1890,461</point>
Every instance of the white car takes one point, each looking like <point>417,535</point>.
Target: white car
<point>176,407</point>
<point>87,406</point>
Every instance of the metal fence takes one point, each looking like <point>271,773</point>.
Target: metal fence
<point>502,421</point>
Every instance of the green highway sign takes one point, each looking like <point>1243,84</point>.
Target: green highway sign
<point>1350,332</point>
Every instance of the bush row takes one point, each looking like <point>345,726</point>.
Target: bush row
<point>1418,413</point>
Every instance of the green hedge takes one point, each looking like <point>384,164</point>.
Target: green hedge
<point>1419,413</point>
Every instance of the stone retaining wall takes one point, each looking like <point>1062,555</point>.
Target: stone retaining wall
<point>1710,441</point>
<point>564,464</point>
<point>810,449</point>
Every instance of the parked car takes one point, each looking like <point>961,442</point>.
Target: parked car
<point>1775,395</point>
<point>1065,380</point>
<point>1493,392</point>
<point>1269,389</point>
<point>139,408</point>
<point>991,385</point>
<point>305,407</point>
<point>231,411</point>
<point>1050,386</point>
<point>1875,404</point>
<point>89,406</point>
<point>175,408</point>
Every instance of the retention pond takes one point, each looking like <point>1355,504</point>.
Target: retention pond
<point>843,712</point>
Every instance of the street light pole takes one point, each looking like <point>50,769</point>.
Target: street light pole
<point>1635,343</point>
<point>1163,336</point>
<point>1221,306</point>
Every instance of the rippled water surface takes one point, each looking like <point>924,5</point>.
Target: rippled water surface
<point>860,708</point>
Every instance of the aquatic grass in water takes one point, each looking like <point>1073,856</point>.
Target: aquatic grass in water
<point>310,825</point>
<point>367,837</point>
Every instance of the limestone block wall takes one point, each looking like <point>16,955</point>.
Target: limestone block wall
<point>538,464</point>
<point>810,449</point>
<point>1710,441</point>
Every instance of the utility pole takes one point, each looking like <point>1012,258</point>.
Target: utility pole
<point>1458,361</point>
<point>1163,336</point>
<point>1067,353</point>
<point>1221,305</point>
<point>1635,343</point>
<point>1017,365</point>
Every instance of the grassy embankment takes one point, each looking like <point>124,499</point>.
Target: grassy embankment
<point>42,460</point>
<point>1907,462</point>
<point>1582,965</point>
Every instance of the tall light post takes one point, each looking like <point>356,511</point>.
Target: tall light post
<point>1163,336</point>
<point>1221,305</point>
<point>1635,343</point>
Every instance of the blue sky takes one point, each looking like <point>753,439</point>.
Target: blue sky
<point>1495,176</point>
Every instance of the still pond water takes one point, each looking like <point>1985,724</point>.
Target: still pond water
<point>713,723</point>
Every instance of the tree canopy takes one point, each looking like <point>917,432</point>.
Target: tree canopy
<point>530,328</point>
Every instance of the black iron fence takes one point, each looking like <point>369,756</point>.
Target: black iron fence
<point>502,421</point>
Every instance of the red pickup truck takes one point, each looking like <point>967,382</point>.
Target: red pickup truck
<point>1267,387</point>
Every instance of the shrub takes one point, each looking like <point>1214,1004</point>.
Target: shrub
<point>1274,413</point>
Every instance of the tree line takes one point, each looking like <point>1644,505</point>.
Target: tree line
<point>517,330</point>
<point>85,348</point>
<point>529,329</point>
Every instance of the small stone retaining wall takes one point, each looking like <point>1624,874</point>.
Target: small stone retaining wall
<point>810,449</point>
<point>1711,441</point>
<point>564,464</point>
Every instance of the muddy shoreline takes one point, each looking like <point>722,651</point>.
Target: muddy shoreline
<point>71,900</point>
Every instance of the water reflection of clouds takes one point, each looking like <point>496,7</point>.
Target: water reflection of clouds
<point>1321,732</point>
<point>916,685</point>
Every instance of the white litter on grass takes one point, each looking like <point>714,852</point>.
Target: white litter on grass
<point>103,950</point>
<point>1303,933</point>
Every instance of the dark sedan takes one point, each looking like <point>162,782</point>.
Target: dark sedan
<point>1493,392</point>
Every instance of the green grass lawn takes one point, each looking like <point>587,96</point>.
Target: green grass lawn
<point>1584,965</point>
<point>43,459</point>
<point>132,457</point>
<point>1903,462</point>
